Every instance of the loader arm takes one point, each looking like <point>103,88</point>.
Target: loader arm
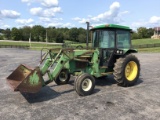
<point>57,63</point>
<point>57,60</point>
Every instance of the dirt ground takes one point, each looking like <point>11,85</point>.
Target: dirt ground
<point>108,102</point>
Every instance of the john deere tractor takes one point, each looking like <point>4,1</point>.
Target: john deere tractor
<point>110,53</point>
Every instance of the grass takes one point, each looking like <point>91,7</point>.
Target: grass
<point>14,43</point>
<point>155,50</point>
<point>35,46</point>
<point>38,46</point>
<point>145,41</point>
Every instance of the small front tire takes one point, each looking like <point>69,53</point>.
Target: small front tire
<point>84,84</point>
<point>63,77</point>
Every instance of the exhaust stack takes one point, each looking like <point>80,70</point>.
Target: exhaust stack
<point>87,34</point>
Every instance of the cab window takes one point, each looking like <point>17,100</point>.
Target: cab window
<point>104,38</point>
<point>123,39</point>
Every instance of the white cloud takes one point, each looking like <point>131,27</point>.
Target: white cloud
<point>89,16</point>
<point>113,15</point>
<point>3,25</point>
<point>57,19</point>
<point>9,14</point>
<point>51,12</point>
<point>45,3</point>
<point>45,12</point>
<point>56,9</point>
<point>76,18</point>
<point>28,1</point>
<point>54,24</point>
<point>49,3</point>
<point>36,11</point>
<point>24,21</point>
<point>68,25</point>
<point>25,0</point>
<point>114,6</point>
<point>50,20</point>
<point>6,26</point>
<point>155,20</point>
<point>135,25</point>
<point>123,13</point>
<point>59,24</point>
<point>44,19</point>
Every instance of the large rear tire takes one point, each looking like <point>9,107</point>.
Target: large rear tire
<point>63,77</point>
<point>127,70</point>
<point>84,84</point>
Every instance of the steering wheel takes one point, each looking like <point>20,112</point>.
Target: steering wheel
<point>79,47</point>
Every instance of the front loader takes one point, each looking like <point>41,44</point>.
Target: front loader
<point>111,53</point>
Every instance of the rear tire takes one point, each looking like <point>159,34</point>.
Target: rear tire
<point>63,77</point>
<point>84,84</point>
<point>127,70</point>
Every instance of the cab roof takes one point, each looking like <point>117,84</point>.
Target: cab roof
<point>111,26</point>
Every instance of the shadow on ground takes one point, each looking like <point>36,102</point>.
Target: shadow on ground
<point>104,81</point>
<point>47,93</point>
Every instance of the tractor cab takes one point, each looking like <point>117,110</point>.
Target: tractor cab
<point>111,40</point>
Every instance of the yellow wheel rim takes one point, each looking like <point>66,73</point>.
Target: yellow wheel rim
<point>131,70</point>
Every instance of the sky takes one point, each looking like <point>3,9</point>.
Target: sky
<point>75,13</point>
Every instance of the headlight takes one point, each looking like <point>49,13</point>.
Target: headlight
<point>119,51</point>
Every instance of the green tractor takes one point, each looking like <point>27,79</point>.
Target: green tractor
<point>110,53</point>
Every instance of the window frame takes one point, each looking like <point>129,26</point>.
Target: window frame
<point>115,36</point>
<point>98,34</point>
<point>129,38</point>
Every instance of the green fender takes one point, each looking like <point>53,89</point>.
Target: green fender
<point>129,51</point>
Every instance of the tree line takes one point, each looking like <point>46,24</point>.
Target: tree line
<point>53,34</point>
<point>42,34</point>
<point>142,32</point>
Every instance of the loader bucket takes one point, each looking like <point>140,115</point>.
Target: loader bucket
<point>25,79</point>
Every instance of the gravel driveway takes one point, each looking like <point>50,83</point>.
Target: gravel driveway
<point>109,101</point>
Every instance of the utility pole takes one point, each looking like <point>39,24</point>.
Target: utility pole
<point>30,40</point>
<point>46,37</point>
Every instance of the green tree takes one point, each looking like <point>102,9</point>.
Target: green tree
<point>16,34</point>
<point>142,32</point>
<point>134,35</point>
<point>82,38</point>
<point>38,33</point>
<point>51,34</point>
<point>150,32</point>
<point>7,34</point>
<point>60,38</point>
<point>1,34</point>
<point>82,35</point>
<point>1,37</point>
<point>65,32</point>
<point>25,31</point>
<point>73,34</point>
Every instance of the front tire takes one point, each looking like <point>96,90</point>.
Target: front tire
<point>63,77</point>
<point>127,70</point>
<point>84,84</point>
